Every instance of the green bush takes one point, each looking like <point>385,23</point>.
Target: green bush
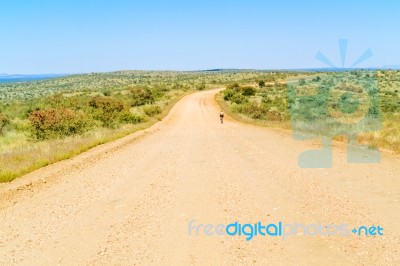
<point>4,121</point>
<point>239,98</point>
<point>107,110</point>
<point>236,94</point>
<point>201,86</point>
<point>233,86</point>
<point>129,118</point>
<point>248,91</point>
<point>228,94</point>
<point>152,110</point>
<point>254,110</point>
<point>57,123</point>
<point>142,96</point>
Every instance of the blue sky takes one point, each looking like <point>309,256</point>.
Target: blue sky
<point>72,36</point>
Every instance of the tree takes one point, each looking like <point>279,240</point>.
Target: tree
<point>261,83</point>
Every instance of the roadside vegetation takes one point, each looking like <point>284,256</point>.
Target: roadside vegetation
<point>46,121</point>
<point>270,101</point>
<point>42,122</point>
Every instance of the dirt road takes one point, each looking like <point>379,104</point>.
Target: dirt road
<point>129,202</point>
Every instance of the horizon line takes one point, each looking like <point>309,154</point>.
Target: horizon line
<point>329,69</point>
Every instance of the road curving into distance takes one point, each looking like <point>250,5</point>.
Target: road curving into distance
<point>130,202</point>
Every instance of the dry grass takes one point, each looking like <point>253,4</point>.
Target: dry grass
<point>18,156</point>
<point>387,138</point>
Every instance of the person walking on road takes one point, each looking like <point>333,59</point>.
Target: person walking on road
<point>221,117</point>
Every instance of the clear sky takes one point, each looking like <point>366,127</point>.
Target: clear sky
<point>75,36</point>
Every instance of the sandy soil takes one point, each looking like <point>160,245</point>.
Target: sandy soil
<point>129,202</point>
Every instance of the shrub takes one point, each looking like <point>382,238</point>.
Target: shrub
<point>238,98</point>
<point>201,86</point>
<point>129,118</point>
<point>4,121</point>
<point>152,110</point>
<point>228,94</point>
<point>261,83</point>
<point>233,86</point>
<point>107,110</point>
<point>142,96</point>
<point>255,110</point>
<point>234,96</point>
<point>316,79</point>
<point>56,123</point>
<point>248,91</point>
